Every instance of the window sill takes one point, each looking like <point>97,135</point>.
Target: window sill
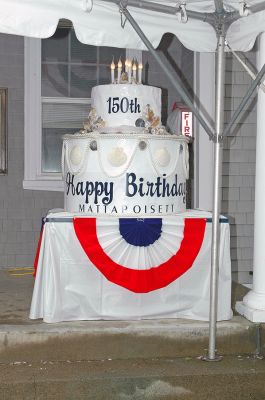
<point>44,184</point>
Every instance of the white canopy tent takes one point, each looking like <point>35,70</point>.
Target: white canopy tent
<point>40,19</point>
<point>201,25</point>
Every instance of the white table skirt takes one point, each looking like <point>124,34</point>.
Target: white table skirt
<point>69,286</point>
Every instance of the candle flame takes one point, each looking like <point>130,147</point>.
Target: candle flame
<point>140,66</point>
<point>129,63</point>
<point>134,67</point>
<point>119,64</point>
<point>112,65</point>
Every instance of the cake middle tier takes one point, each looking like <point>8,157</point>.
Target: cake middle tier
<point>127,104</point>
<point>125,175</point>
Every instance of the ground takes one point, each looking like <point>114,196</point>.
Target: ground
<point>122,360</point>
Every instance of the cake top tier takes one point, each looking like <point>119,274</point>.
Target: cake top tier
<point>125,105</point>
<point>131,105</point>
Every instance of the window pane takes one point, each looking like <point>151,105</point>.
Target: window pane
<point>82,53</point>
<point>57,120</point>
<point>70,69</point>
<point>104,75</point>
<point>106,54</point>
<point>54,80</point>
<point>55,48</point>
<point>83,78</point>
<point>52,149</point>
<point>64,115</point>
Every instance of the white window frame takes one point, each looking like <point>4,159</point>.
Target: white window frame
<point>34,178</point>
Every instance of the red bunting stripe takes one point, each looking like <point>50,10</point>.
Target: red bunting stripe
<point>36,260</point>
<point>147,280</point>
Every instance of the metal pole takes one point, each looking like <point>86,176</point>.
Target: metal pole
<point>148,5</point>
<point>166,70</point>
<point>219,6</point>
<point>245,99</point>
<point>219,114</point>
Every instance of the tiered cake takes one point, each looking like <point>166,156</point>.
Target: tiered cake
<point>124,162</point>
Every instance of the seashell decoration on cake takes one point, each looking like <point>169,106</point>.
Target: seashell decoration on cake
<point>76,155</point>
<point>153,122</point>
<point>162,157</point>
<point>93,122</point>
<point>117,157</point>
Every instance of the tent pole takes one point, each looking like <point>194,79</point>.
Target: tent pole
<point>219,112</point>
<point>219,6</point>
<point>218,149</point>
<point>166,70</point>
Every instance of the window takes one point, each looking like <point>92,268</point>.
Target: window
<point>59,74</point>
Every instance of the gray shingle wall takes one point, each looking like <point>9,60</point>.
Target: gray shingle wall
<point>20,210</point>
<point>239,170</point>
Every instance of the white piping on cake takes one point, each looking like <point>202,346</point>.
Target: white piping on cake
<point>96,135</point>
<point>156,167</point>
<point>69,164</point>
<point>123,171</point>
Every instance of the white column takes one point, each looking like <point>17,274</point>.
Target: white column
<point>253,305</point>
<point>204,77</point>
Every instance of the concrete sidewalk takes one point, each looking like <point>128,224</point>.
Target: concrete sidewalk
<point>16,286</point>
<point>108,339</point>
<point>129,360</point>
<point>235,378</point>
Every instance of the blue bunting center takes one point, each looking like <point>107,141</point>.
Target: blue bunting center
<point>140,232</point>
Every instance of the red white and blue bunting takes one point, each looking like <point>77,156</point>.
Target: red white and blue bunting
<point>141,255</point>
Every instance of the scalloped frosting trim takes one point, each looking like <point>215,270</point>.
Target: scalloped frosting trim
<point>120,135</point>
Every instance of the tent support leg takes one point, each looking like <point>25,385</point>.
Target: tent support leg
<point>166,70</point>
<point>218,149</point>
<point>219,112</point>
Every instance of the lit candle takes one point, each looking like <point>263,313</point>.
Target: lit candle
<point>112,67</point>
<point>126,65</point>
<point>119,70</point>
<point>134,67</point>
<point>129,64</point>
<point>140,69</point>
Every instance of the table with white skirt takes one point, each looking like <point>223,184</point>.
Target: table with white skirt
<point>128,269</point>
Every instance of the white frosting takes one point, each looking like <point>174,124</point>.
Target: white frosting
<point>162,157</point>
<point>76,155</point>
<point>124,104</point>
<point>117,156</point>
<point>126,175</point>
